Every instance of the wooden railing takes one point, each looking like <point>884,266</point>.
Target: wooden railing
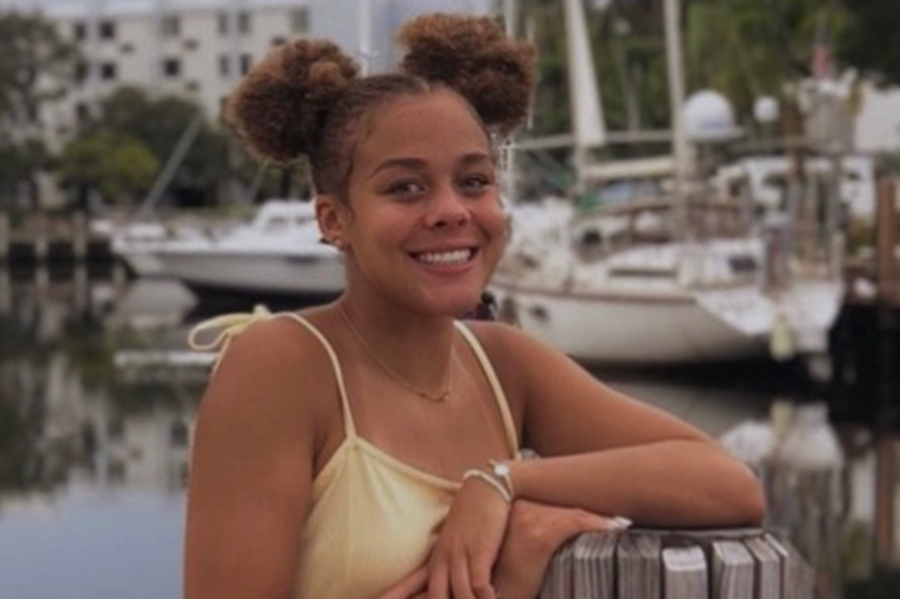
<point>739,563</point>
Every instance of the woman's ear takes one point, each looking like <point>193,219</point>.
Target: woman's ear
<point>329,216</point>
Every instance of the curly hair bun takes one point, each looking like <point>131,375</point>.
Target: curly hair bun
<point>279,106</point>
<point>472,56</point>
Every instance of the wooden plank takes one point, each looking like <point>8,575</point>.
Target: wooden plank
<point>732,570</point>
<point>638,563</point>
<point>684,573</point>
<point>797,577</point>
<point>767,577</point>
<point>593,566</point>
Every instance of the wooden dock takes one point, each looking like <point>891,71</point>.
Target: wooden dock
<point>44,240</point>
<point>739,563</point>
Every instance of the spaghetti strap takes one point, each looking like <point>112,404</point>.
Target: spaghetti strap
<point>230,325</point>
<point>499,394</point>
<point>349,425</point>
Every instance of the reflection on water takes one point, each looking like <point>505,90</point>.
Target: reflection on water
<point>93,458</point>
<point>94,432</point>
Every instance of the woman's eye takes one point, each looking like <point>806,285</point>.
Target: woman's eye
<point>475,183</point>
<point>405,188</point>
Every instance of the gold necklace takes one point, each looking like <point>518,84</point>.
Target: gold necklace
<point>393,375</point>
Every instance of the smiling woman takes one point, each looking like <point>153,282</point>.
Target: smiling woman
<point>371,446</point>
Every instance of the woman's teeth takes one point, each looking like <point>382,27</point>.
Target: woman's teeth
<point>456,257</point>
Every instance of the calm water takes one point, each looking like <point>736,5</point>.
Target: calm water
<point>93,447</point>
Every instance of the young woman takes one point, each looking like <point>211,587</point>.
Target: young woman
<point>371,446</point>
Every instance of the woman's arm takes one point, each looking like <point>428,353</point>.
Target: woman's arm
<point>251,468</point>
<point>609,454</point>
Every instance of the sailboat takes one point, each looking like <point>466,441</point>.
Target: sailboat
<point>663,270</point>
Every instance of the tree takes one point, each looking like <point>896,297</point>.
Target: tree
<point>871,41</point>
<point>158,123</point>
<point>36,65</point>
<point>119,167</point>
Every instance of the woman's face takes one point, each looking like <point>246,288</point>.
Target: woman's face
<point>426,226</point>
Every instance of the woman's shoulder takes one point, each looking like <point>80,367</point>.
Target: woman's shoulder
<point>505,343</point>
<point>273,364</point>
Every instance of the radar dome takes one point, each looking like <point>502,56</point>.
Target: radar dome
<point>708,118</point>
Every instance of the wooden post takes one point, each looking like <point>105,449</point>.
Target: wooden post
<point>4,236</point>
<point>654,563</point>
<point>5,291</point>
<point>79,236</point>
<point>41,243</point>
<point>887,241</point>
<point>887,384</point>
<point>885,487</point>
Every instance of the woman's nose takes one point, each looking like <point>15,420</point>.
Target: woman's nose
<point>447,209</point>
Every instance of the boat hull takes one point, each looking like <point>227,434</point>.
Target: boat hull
<point>261,274</point>
<point>621,329</point>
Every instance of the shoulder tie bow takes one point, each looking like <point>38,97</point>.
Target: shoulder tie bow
<point>228,326</point>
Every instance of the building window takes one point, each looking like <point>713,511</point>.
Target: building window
<point>224,65</point>
<point>192,86</point>
<point>243,22</point>
<point>170,26</point>
<point>246,63</point>
<point>300,21</point>
<point>107,30</point>
<point>223,23</point>
<point>191,44</point>
<point>171,67</point>
<point>278,41</point>
<point>108,71</point>
<point>82,113</point>
<point>127,48</point>
<point>79,30</point>
<point>81,71</point>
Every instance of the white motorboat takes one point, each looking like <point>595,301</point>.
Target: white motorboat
<point>278,253</point>
<point>664,270</point>
<point>137,244</point>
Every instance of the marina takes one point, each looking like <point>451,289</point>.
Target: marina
<point>716,236</point>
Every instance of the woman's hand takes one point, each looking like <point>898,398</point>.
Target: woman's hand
<point>465,552</point>
<point>533,535</point>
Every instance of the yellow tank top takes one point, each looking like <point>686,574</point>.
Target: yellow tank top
<point>373,518</point>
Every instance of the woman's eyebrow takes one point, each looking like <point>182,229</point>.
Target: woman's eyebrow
<point>474,158</point>
<point>405,162</point>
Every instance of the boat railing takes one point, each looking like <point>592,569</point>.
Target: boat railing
<point>658,220</point>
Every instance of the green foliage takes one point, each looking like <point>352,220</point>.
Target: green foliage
<point>117,165</point>
<point>749,48</point>
<point>159,123</point>
<point>19,163</point>
<point>871,40</point>
<point>35,64</point>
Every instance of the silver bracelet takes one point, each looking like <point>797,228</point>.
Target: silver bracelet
<point>501,471</point>
<point>489,479</point>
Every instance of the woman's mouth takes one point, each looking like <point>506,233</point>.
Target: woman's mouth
<point>450,258</point>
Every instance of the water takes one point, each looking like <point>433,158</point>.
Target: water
<point>93,452</point>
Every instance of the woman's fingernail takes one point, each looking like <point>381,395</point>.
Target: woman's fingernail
<point>621,523</point>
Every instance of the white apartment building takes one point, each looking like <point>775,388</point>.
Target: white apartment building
<point>200,48</point>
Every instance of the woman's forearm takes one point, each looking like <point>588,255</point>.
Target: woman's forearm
<point>664,484</point>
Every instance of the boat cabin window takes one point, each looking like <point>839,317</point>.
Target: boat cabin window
<point>742,264</point>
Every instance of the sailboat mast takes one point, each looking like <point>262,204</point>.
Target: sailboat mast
<point>675,68</point>
<point>588,128</point>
